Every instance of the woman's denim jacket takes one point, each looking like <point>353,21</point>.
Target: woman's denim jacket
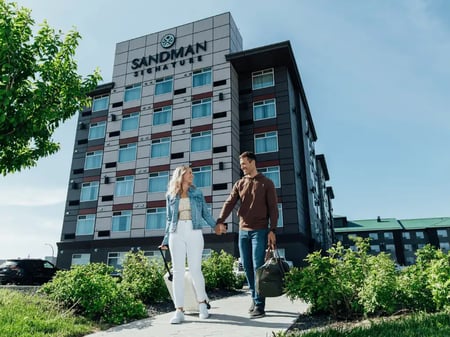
<point>199,212</point>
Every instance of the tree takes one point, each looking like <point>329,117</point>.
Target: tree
<point>39,87</point>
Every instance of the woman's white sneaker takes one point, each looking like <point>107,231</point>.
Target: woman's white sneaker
<point>203,311</point>
<point>177,318</point>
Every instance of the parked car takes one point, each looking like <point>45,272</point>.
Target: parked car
<point>26,271</point>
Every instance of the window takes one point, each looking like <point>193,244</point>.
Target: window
<point>201,141</point>
<point>121,221</point>
<point>100,103</point>
<point>163,85</point>
<point>408,247</point>
<point>85,224</point>
<point>280,216</point>
<point>264,109</point>
<point>406,235</point>
<point>89,191</point>
<point>160,148</point>
<point>262,79</point>
<point>444,246</point>
<point>132,92</point>
<point>373,236</point>
<point>124,186</point>
<point>127,152</point>
<point>375,248</point>
<point>93,160</point>
<point>266,142</point>
<point>153,255</point>
<point>273,173</point>
<point>388,236</point>
<point>162,115</point>
<point>156,218</point>
<point>116,259</point>
<point>97,130</point>
<point>201,108</point>
<point>80,259</point>
<point>206,254</point>
<point>442,233</point>
<point>410,260</point>
<point>390,248</point>
<point>202,176</point>
<point>130,121</point>
<point>157,181</point>
<point>201,77</point>
<point>420,235</point>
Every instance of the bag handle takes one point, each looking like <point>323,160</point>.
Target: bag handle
<point>273,252</point>
<point>165,263</point>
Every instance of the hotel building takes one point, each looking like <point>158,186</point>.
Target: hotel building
<point>191,95</point>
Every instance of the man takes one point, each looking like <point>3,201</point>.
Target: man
<point>258,205</point>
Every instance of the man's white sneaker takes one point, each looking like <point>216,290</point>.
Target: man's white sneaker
<point>177,318</point>
<point>203,311</point>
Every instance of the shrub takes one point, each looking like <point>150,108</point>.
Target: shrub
<point>218,271</point>
<point>345,283</point>
<point>92,292</point>
<point>240,281</point>
<point>329,283</point>
<point>439,280</point>
<point>378,292</point>
<point>414,293</point>
<point>144,278</point>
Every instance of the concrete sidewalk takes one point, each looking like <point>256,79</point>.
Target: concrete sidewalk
<point>228,317</point>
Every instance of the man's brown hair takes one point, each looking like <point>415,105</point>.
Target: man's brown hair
<point>249,155</point>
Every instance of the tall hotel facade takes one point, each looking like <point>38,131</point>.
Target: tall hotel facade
<point>191,95</point>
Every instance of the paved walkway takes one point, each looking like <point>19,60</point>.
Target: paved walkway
<point>228,317</point>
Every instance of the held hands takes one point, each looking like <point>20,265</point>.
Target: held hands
<point>163,247</point>
<point>220,229</point>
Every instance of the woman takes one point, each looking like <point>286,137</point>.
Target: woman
<point>186,210</point>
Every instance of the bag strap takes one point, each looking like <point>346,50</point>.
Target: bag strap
<point>167,266</point>
<point>274,253</point>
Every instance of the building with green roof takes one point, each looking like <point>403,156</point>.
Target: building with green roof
<point>400,238</point>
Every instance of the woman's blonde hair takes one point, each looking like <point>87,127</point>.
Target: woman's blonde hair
<point>175,186</point>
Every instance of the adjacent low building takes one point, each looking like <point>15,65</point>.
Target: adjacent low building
<point>400,238</point>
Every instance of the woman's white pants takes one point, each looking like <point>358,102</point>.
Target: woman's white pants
<point>187,242</point>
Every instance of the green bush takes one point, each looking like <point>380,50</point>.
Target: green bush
<point>92,292</point>
<point>331,283</point>
<point>439,280</point>
<point>218,271</point>
<point>346,283</point>
<point>144,278</point>
<point>378,294</point>
<point>414,293</point>
<point>240,280</point>
<point>425,285</point>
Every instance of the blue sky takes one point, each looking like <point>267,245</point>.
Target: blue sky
<point>376,75</point>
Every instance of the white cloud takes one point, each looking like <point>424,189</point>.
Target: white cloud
<point>31,196</point>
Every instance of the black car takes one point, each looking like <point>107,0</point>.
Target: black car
<point>26,271</point>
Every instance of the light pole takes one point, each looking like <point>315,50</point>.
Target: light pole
<point>53,251</point>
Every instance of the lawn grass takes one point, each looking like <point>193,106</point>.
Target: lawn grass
<point>25,315</point>
<point>416,325</point>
